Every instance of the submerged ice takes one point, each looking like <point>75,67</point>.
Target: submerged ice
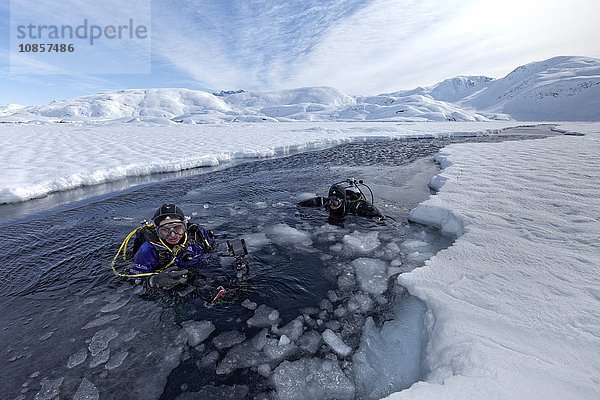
<point>363,340</point>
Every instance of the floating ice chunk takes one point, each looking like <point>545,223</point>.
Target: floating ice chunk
<point>336,343</point>
<point>283,340</point>
<point>101,339</point>
<point>254,241</point>
<point>340,311</point>
<point>325,304</point>
<point>338,248</point>
<point>116,360</point>
<point>394,271</point>
<point>371,275</point>
<point>101,321</point>
<point>364,301</point>
<point>293,329</point>
<point>285,235</point>
<point>390,252</point>
<point>263,317</point>
<point>228,339</point>
<point>346,281</point>
<point>100,358</point>
<point>361,242</point>
<point>277,351</point>
<point>389,359</point>
<point>50,389</point>
<point>247,354</point>
<point>77,358</point>
<point>259,341</point>
<point>325,257</point>
<point>197,331</point>
<point>352,306</point>
<point>250,305</point>
<point>393,247</point>
<point>261,204</point>
<point>209,359</point>
<point>332,296</point>
<point>242,356</point>
<point>114,306</point>
<point>333,325</point>
<point>311,378</point>
<point>129,335</point>
<point>86,391</point>
<point>310,342</point>
<point>264,370</point>
<point>396,262</point>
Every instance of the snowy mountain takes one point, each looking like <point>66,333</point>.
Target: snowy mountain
<point>450,90</point>
<point>125,105</point>
<point>561,88</point>
<point>558,89</point>
<point>192,106</point>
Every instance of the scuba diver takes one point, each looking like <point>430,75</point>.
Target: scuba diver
<point>170,247</point>
<point>169,250</point>
<point>345,198</point>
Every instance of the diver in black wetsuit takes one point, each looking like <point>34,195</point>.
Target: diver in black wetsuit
<point>345,198</point>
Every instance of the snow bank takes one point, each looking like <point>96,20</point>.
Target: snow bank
<point>60,157</point>
<point>513,304</point>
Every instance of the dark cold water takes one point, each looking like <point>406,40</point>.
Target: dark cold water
<point>330,323</point>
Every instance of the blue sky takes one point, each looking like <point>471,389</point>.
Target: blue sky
<point>357,46</point>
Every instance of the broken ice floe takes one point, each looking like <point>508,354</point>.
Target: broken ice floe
<point>195,332</point>
<point>264,316</point>
<point>86,391</point>
<point>101,339</point>
<point>312,378</point>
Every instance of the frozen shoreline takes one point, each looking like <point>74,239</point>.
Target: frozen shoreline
<point>44,159</point>
<point>513,303</point>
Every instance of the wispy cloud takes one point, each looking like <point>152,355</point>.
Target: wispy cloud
<point>364,46</point>
<point>244,44</point>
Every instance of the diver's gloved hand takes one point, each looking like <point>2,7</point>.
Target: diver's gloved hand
<point>168,279</point>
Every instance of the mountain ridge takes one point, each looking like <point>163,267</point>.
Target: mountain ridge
<point>560,88</point>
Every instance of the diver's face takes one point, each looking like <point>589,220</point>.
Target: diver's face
<point>335,205</point>
<point>172,232</point>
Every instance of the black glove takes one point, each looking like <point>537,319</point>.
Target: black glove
<point>169,278</point>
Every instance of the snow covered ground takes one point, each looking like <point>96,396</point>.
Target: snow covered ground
<point>513,305</point>
<point>41,159</point>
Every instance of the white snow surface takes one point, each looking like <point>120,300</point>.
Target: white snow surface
<point>40,159</point>
<point>514,302</point>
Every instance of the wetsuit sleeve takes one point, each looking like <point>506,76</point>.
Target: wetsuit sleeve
<point>365,209</point>
<point>313,202</point>
<point>145,260</point>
